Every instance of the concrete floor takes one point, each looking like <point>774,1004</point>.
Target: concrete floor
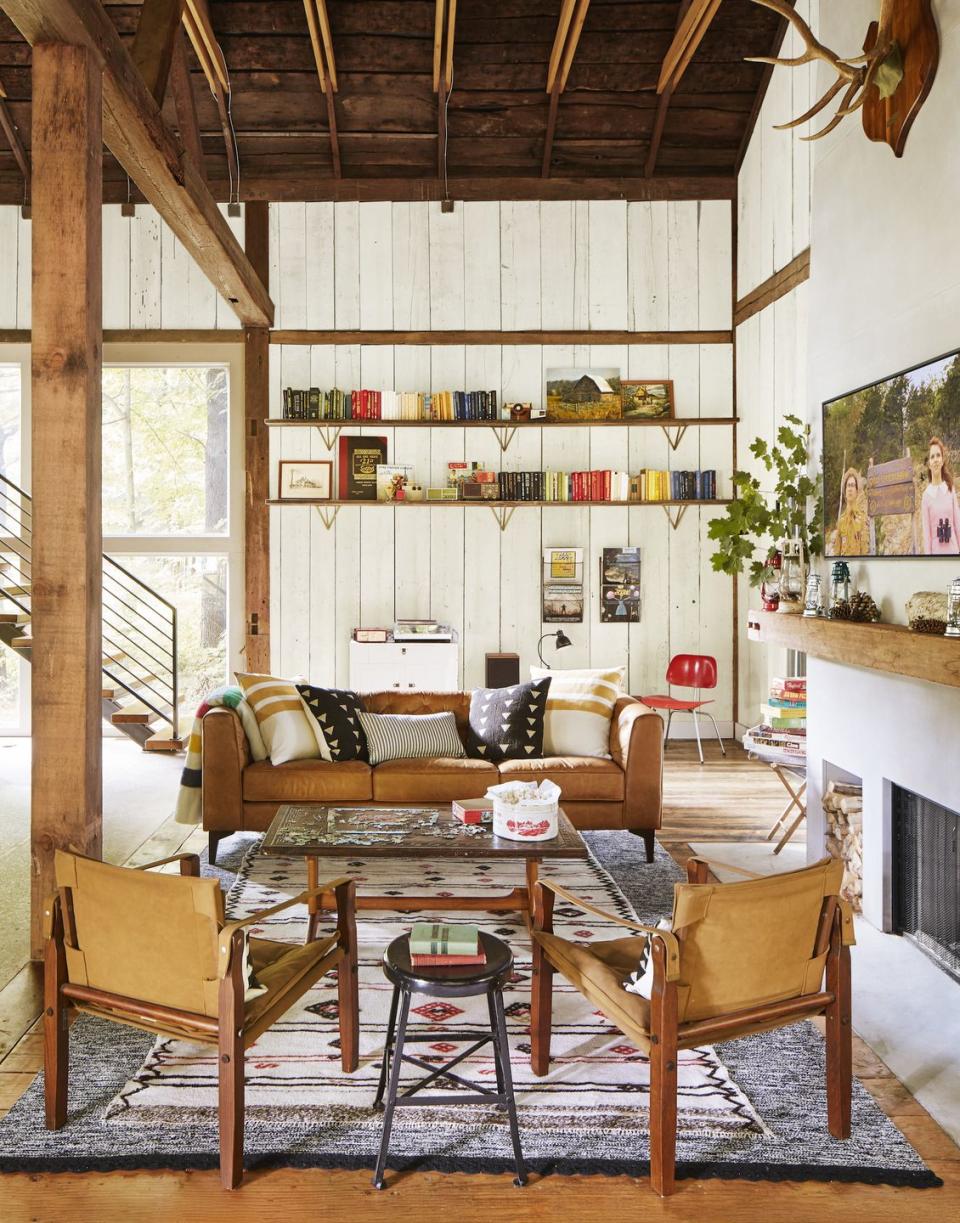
<point>139,793</point>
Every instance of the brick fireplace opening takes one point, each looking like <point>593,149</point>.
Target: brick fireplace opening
<point>926,877</point>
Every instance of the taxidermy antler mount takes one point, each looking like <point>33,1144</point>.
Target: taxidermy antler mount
<point>889,81</point>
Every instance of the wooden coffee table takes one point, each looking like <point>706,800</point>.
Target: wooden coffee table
<point>419,831</point>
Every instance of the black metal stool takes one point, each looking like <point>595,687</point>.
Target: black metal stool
<point>457,981</point>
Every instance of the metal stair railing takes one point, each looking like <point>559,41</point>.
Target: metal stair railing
<point>139,626</point>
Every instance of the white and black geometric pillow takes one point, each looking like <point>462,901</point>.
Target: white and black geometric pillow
<point>507,723</point>
<point>640,981</point>
<point>336,712</point>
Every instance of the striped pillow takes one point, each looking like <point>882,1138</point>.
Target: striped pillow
<point>286,725</point>
<point>400,736</point>
<point>579,709</point>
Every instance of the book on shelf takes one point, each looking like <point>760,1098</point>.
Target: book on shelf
<point>359,458</point>
<point>444,939</point>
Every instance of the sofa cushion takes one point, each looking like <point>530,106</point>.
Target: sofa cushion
<point>307,781</point>
<point>579,777</point>
<point>437,779</point>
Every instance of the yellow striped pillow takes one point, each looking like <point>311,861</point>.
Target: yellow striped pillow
<point>284,721</point>
<point>579,708</point>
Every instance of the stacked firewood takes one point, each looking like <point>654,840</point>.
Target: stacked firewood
<point>843,807</point>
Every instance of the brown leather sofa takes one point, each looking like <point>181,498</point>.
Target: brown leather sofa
<point>622,792</point>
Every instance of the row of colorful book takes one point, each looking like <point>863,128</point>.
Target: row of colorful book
<point>782,733</point>
<point>335,404</point>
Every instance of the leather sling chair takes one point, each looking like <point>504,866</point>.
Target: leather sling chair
<point>739,958</point>
<point>153,951</point>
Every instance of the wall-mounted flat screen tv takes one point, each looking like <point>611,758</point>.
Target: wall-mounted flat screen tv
<point>891,458</point>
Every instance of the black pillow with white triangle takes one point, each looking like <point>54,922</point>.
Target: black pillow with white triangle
<point>336,712</point>
<point>507,723</point>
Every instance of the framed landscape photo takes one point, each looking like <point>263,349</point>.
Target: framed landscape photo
<point>578,394</point>
<point>891,451</point>
<point>305,480</point>
<point>642,399</point>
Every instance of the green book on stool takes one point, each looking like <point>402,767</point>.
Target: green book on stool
<point>434,938</point>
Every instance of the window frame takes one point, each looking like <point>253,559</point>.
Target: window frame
<point>19,354</point>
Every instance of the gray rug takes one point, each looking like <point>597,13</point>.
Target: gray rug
<point>782,1074</point>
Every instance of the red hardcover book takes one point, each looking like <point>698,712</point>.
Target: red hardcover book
<point>365,404</point>
<point>606,486</point>
<point>357,466</point>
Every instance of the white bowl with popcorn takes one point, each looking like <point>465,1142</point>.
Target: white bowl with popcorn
<point>525,811</point>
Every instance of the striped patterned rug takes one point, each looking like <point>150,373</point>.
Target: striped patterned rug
<point>593,1103</point>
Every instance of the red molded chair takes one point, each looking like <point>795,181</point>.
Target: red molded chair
<point>696,671</point>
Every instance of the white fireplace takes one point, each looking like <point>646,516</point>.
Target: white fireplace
<point>886,730</point>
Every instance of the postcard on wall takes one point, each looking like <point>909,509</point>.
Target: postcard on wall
<point>562,585</point>
<point>392,481</point>
<point>620,586</point>
<point>578,394</point>
<point>646,400</point>
<point>305,479</point>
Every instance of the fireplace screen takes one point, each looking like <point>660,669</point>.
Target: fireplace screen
<point>926,875</point>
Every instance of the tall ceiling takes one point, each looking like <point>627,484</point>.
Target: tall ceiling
<point>386,110</point>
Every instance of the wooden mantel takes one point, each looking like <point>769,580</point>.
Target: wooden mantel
<point>881,647</point>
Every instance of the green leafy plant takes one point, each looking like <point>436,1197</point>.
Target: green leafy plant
<point>751,522</point>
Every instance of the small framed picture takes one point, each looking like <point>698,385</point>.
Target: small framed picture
<point>652,400</point>
<point>305,480</point>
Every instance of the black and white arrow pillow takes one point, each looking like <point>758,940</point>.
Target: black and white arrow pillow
<point>507,723</point>
<point>640,981</point>
<point>336,712</point>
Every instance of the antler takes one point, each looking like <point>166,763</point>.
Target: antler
<point>857,72</point>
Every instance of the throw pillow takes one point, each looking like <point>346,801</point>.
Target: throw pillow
<point>400,736</point>
<point>288,731</point>
<point>579,708</point>
<point>507,723</point>
<point>336,712</point>
<point>640,980</point>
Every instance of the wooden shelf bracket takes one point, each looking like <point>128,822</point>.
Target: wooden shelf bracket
<point>327,514</point>
<point>504,435</point>
<point>676,437</point>
<point>674,514</point>
<point>503,514</point>
<point>329,434</point>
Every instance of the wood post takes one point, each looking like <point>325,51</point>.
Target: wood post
<point>839,1032</point>
<point>256,393</point>
<point>66,809</point>
<point>663,1074</point>
<point>230,1070</point>
<point>347,977</point>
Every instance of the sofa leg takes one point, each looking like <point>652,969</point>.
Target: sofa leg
<point>649,840</point>
<point>213,841</point>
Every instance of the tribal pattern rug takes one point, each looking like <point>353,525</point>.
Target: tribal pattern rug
<point>754,1109</point>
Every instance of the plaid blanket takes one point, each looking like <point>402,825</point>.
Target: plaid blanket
<point>189,809</point>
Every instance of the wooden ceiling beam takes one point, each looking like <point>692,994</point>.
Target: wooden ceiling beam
<point>693,26</point>
<point>185,104</point>
<point>660,119</point>
<point>573,13</point>
<point>444,35</point>
<point>321,40</point>
<point>12,133</point>
<point>154,41</point>
<point>199,27</point>
<point>134,131</point>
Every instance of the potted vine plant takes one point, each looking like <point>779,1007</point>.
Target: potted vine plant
<point>752,522</point>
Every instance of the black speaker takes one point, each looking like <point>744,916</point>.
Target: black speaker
<point>503,670</point>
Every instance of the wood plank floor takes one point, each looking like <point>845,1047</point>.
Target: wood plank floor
<point>722,800</point>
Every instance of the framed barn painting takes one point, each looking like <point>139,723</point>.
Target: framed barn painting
<point>306,479</point>
<point>642,400</point>
<point>578,395</point>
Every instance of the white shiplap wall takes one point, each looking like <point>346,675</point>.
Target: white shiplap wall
<point>508,266</point>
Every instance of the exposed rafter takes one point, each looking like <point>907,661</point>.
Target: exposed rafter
<point>321,40</point>
<point>688,37</point>
<point>444,35</point>
<point>12,133</point>
<point>199,28</point>
<point>663,106</point>
<point>134,131</point>
<point>185,104</point>
<point>153,44</point>
<point>573,13</point>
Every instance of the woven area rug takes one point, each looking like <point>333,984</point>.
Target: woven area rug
<point>757,1111</point>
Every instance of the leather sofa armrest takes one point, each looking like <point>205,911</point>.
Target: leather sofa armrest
<point>636,745</point>
<point>225,755</point>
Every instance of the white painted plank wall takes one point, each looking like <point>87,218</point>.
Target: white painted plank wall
<point>553,265</point>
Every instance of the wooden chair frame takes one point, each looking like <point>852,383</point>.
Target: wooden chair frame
<point>667,1036</point>
<point>228,1032</point>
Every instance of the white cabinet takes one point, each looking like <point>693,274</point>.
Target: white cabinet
<point>409,666</point>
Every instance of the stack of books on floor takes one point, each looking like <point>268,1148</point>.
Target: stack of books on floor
<point>783,731</point>
<point>434,945</point>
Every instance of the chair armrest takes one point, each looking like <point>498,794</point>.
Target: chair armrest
<point>227,932</point>
<point>189,864</point>
<point>711,863</point>
<point>669,940</point>
<point>226,754</point>
<point>636,745</point>
<point>848,937</point>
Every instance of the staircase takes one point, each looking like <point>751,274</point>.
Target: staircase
<point>139,693</point>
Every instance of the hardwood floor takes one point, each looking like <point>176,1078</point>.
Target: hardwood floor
<point>722,800</point>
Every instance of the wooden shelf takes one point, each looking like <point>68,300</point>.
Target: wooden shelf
<point>880,647</point>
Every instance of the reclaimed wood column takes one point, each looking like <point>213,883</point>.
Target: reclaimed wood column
<point>66,799</point>
<point>256,531</point>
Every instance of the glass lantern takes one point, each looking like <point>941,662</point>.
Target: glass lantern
<point>953,609</point>
<point>839,582</point>
<point>770,587</point>
<point>792,576</point>
<point>813,604</point>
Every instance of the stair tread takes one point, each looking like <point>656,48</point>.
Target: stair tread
<point>163,741</point>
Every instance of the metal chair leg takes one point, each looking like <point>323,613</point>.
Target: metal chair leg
<point>387,1047</point>
<point>696,730</point>
<point>503,1049</point>
<point>496,1047</point>
<point>669,720</point>
<point>707,714</point>
<point>392,1091</point>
